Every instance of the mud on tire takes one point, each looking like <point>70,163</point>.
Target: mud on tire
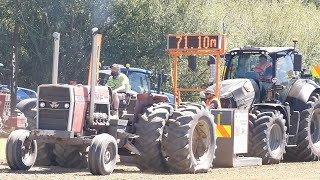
<point>267,135</point>
<point>190,141</point>
<point>150,129</point>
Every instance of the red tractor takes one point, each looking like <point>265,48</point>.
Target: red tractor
<point>73,117</point>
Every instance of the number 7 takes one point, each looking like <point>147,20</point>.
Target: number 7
<point>179,41</point>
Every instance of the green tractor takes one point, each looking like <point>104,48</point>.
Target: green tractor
<point>283,103</point>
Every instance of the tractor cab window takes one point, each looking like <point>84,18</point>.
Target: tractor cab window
<point>251,66</point>
<point>139,82</point>
<point>284,69</point>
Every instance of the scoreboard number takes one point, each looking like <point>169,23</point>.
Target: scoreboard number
<point>179,42</point>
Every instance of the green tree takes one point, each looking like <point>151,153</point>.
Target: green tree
<point>135,31</point>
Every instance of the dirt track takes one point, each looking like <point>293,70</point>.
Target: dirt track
<point>283,171</point>
<point>287,171</point>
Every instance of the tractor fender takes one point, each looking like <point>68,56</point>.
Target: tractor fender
<point>278,107</point>
<point>145,100</point>
<point>300,92</point>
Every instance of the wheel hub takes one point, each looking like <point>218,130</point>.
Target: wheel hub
<point>201,140</point>
<point>27,148</point>
<point>107,156</point>
<point>276,138</point>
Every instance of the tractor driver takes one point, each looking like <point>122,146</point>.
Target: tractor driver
<point>264,68</point>
<point>119,82</point>
<point>212,102</point>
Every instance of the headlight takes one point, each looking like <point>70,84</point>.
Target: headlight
<point>66,105</point>
<point>42,104</point>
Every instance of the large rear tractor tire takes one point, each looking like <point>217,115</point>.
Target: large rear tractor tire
<point>102,155</point>
<point>27,106</point>
<point>45,156</point>
<point>21,152</point>
<point>68,156</point>
<point>267,135</point>
<point>189,141</point>
<point>252,119</point>
<point>308,141</point>
<point>150,129</point>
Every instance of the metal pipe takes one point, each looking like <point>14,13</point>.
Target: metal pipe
<point>56,37</point>
<point>217,93</point>
<point>13,82</point>
<point>93,73</point>
<point>175,78</point>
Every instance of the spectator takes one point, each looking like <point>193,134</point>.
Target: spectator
<point>212,102</point>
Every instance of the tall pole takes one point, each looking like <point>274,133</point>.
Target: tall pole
<point>217,93</point>
<point>12,82</point>
<point>14,64</point>
<point>93,73</point>
<point>56,37</point>
<point>99,41</point>
<point>175,77</point>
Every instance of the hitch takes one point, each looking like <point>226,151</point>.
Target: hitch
<point>128,137</point>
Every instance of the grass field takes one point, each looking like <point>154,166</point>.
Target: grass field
<point>2,150</point>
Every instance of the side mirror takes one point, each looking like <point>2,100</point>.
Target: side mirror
<point>212,60</point>
<point>297,62</point>
<point>164,78</point>
<point>192,62</point>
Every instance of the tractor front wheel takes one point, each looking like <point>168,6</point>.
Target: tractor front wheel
<point>268,136</point>
<point>21,152</point>
<point>102,154</point>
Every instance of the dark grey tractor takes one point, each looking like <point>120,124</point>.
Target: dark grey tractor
<point>284,106</point>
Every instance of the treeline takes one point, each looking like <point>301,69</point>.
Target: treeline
<point>135,31</point>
